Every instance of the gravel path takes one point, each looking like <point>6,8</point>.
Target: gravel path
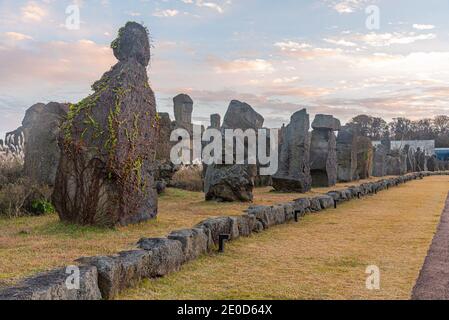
<point>433,281</point>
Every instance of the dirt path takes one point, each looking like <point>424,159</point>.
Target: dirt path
<point>433,282</point>
<point>325,256</point>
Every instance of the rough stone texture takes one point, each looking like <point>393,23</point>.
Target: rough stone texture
<point>346,155</point>
<point>263,214</point>
<point>52,286</point>
<point>261,181</point>
<point>241,115</point>
<point>433,164</point>
<point>302,204</point>
<point>166,256</point>
<point>218,226</point>
<point>246,224</point>
<point>326,122</point>
<point>323,152</point>
<point>396,164</point>
<point>326,201</point>
<point>109,274</point>
<point>364,157</point>
<point>278,211</point>
<point>41,128</point>
<point>165,171</point>
<point>106,171</point>
<point>164,144</point>
<point>229,183</point>
<point>132,44</point>
<point>294,155</point>
<point>289,210</point>
<point>315,204</point>
<point>161,187</point>
<point>215,121</point>
<point>393,165</point>
<point>379,162</point>
<point>195,242</point>
<point>234,182</point>
<point>411,158</point>
<point>119,272</point>
<point>157,258</point>
<point>420,157</point>
<point>183,108</point>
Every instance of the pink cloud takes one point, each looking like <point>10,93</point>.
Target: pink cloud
<point>55,63</point>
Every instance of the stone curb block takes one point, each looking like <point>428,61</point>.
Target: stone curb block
<point>52,286</point>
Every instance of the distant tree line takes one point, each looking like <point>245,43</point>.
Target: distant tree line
<point>404,129</point>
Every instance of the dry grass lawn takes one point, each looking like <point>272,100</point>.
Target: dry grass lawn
<point>323,257</point>
<point>33,244</point>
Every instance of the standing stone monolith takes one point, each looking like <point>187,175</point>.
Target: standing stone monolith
<point>364,157</point>
<point>183,109</point>
<point>294,156</point>
<point>411,159</point>
<point>380,157</point>
<point>41,127</point>
<point>165,169</point>
<point>234,182</point>
<point>215,121</point>
<point>106,171</point>
<point>164,131</point>
<point>396,163</point>
<point>420,157</point>
<point>241,115</point>
<point>346,154</point>
<point>323,151</point>
<point>432,163</point>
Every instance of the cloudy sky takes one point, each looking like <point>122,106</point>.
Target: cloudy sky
<point>278,56</point>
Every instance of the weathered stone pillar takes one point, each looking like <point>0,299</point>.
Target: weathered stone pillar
<point>346,155</point>
<point>41,127</point>
<point>379,161</point>
<point>420,157</point>
<point>294,156</point>
<point>411,159</point>
<point>364,157</point>
<point>234,182</point>
<point>215,121</point>
<point>183,108</point>
<point>323,151</point>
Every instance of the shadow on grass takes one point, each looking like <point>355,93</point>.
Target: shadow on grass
<point>69,230</point>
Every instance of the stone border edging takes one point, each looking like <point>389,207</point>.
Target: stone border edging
<point>104,277</point>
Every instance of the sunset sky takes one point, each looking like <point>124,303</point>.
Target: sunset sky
<point>278,56</point>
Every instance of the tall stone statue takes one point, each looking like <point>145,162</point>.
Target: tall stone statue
<point>347,154</point>
<point>183,109</point>
<point>294,156</point>
<point>323,151</point>
<point>215,121</point>
<point>106,171</point>
<point>234,182</point>
<point>364,157</point>
<point>41,127</point>
<point>420,157</point>
<point>411,159</point>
